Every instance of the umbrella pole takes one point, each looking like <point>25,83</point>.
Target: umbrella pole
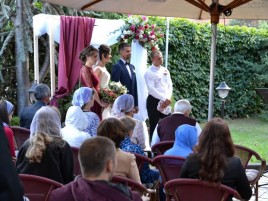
<point>167,41</point>
<point>212,69</point>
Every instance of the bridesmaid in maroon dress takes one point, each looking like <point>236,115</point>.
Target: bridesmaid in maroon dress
<point>89,57</point>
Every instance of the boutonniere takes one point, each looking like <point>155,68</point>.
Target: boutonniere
<point>165,72</point>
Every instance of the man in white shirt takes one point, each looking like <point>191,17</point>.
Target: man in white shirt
<point>159,87</point>
<point>165,130</point>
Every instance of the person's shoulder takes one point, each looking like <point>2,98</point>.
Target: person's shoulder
<point>64,192</point>
<point>126,155</point>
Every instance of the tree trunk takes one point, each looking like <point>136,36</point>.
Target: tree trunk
<point>22,64</point>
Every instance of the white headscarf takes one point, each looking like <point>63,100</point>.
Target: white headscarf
<point>47,121</point>
<point>75,117</point>
<point>75,122</point>
<point>122,104</point>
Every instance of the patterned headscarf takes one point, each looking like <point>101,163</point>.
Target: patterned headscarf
<point>122,104</point>
<point>82,96</point>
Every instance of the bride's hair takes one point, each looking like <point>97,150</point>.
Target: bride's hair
<point>87,52</point>
<point>104,50</point>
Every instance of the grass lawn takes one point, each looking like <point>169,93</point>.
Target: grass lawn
<point>251,133</point>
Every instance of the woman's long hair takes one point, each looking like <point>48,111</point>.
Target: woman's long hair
<point>214,147</point>
<point>45,130</point>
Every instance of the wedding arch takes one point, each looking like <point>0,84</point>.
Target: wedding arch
<point>102,31</point>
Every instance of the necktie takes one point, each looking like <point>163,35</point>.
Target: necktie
<point>128,68</point>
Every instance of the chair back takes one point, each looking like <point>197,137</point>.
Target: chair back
<point>196,190</point>
<point>38,188</point>
<point>140,160</point>
<point>169,166</point>
<point>20,134</point>
<point>245,154</point>
<point>161,147</point>
<point>77,170</point>
<point>134,186</point>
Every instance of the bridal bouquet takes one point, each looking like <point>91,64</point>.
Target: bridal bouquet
<point>138,28</point>
<point>111,92</point>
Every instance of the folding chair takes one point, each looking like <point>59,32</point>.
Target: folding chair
<point>77,169</point>
<point>161,147</point>
<point>20,134</point>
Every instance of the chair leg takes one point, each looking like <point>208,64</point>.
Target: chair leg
<point>257,191</point>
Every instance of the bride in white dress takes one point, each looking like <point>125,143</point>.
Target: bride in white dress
<point>102,73</point>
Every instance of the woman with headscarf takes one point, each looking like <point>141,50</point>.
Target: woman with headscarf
<point>75,124</point>
<point>185,140</point>
<point>83,98</point>
<point>6,112</point>
<point>124,106</point>
<point>46,154</point>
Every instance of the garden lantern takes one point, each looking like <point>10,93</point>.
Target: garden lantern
<point>223,91</point>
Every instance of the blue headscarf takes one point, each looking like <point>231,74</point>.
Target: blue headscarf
<point>185,140</point>
<point>82,96</point>
<point>10,107</point>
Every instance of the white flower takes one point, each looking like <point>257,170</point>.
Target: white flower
<point>140,36</point>
<point>122,36</point>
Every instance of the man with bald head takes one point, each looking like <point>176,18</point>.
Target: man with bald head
<point>159,87</point>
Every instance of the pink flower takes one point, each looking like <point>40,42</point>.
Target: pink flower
<point>161,35</point>
<point>141,28</point>
<point>153,26</point>
<point>152,33</point>
<point>153,48</point>
<point>137,37</point>
<point>132,28</point>
<point>144,18</point>
<point>146,26</point>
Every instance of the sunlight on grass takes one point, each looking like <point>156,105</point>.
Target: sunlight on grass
<point>251,133</point>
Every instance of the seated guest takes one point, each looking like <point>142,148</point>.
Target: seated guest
<point>97,158</point>
<point>10,185</point>
<point>214,161</point>
<point>124,106</point>
<point>165,130</point>
<point>75,124</point>
<point>84,98</point>
<point>42,95</point>
<point>147,175</point>
<point>126,162</point>
<point>46,154</point>
<point>6,112</point>
<point>185,140</point>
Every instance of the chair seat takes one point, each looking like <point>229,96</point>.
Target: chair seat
<point>251,174</point>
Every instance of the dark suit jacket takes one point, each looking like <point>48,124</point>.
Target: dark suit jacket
<point>28,113</point>
<point>10,186</point>
<point>120,74</point>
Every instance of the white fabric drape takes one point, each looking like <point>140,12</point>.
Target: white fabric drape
<point>139,60</point>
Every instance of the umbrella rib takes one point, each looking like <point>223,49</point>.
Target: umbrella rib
<point>90,4</point>
<point>200,5</point>
<point>235,4</point>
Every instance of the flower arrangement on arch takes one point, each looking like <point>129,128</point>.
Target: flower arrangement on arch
<point>138,28</point>
<point>111,92</point>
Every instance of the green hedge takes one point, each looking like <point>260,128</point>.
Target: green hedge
<point>240,56</point>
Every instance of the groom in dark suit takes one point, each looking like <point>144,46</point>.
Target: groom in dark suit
<point>124,72</point>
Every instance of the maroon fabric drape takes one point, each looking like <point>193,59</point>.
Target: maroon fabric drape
<point>75,35</point>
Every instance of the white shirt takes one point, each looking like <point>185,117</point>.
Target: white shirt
<point>158,82</point>
<point>156,139</point>
<point>127,66</point>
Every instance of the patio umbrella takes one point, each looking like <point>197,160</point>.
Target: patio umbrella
<point>193,9</point>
